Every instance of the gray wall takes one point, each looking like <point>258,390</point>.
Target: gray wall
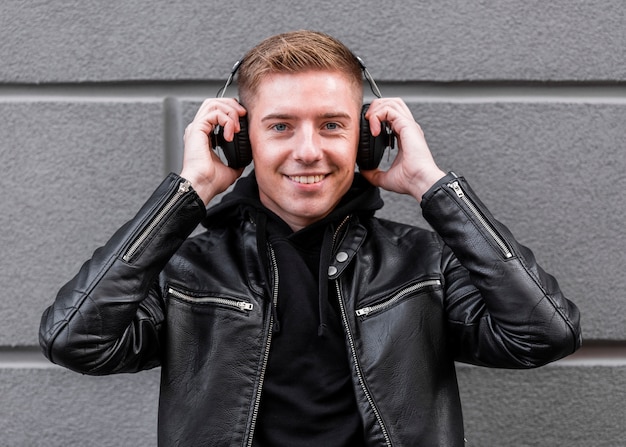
<point>526,99</point>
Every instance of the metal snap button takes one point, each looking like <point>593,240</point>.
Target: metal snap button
<point>342,256</point>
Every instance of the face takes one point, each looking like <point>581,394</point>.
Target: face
<point>304,132</point>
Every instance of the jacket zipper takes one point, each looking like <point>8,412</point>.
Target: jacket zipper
<point>365,311</point>
<point>235,304</point>
<point>266,353</point>
<point>339,227</point>
<point>355,358</point>
<point>357,366</point>
<point>456,187</point>
<point>183,188</point>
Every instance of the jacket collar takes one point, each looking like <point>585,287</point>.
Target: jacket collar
<point>362,199</point>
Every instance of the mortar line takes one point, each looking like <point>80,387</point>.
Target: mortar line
<point>593,353</point>
<point>415,91</point>
<point>172,135</point>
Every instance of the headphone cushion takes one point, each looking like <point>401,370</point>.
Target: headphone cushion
<point>371,148</point>
<point>238,152</point>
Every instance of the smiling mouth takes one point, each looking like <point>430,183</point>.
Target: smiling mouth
<point>307,179</point>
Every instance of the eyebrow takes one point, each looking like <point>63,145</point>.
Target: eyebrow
<point>287,116</point>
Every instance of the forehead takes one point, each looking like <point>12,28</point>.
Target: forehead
<point>312,87</point>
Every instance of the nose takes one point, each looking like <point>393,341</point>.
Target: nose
<point>308,148</point>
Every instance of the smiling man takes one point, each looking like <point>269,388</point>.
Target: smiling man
<point>311,122</point>
<point>298,318</point>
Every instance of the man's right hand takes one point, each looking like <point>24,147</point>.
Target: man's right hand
<point>202,166</point>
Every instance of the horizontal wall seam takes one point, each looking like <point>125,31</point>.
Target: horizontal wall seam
<point>410,91</point>
<point>599,353</point>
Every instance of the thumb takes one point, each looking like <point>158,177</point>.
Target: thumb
<point>374,176</point>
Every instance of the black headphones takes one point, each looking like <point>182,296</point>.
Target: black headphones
<point>238,152</point>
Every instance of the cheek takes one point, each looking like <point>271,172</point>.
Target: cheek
<point>264,151</point>
<point>349,156</point>
<point>259,155</point>
<point>266,158</point>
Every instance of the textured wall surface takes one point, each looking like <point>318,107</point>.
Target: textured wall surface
<point>526,99</point>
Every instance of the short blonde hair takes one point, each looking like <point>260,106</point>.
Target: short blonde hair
<point>295,52</point>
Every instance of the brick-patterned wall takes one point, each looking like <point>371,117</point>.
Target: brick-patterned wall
<point>526,99</point>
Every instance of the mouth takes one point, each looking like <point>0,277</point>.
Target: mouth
<point>306,179</point>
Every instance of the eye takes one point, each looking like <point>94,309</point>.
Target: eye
<point>280,127</point>
<point>331,126</point>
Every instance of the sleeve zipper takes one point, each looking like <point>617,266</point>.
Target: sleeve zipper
<point>456,187</point>
<point>183,188</point>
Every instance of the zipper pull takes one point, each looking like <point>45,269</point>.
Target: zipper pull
<point>457,189</point>
<point>184,187</point>
<point>244,306</point>
<point>363,312</point>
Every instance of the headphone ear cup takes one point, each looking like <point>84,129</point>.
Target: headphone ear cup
<point>371,148</point>
<point>238,152</point>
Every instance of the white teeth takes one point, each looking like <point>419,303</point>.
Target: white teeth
<point>307,179</point>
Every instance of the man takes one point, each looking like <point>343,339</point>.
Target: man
<point>298,318</point>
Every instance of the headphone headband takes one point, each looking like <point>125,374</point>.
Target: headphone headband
<point>370,79</point>
<point>222,91</point>
<point>238,152</point>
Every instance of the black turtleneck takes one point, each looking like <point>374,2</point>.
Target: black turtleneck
<point>308,394</point>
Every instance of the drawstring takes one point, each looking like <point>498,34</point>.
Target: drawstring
<point>325,253</point>
<point>261,241</point>
<point>324,263</point>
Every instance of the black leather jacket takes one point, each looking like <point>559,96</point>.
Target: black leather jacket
<point>412,302</point>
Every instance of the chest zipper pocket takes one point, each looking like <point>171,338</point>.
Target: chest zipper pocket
<point>240,305</point>
<point>418,287</point>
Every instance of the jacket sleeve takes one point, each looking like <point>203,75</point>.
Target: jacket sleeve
<point>503,309</point>
<point>108,317</point>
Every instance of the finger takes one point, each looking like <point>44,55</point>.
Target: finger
<point>230,124</point>
<point>375,125</point>
<point>220,103</point>
<point>389,110</point>
<point>212,115</point>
